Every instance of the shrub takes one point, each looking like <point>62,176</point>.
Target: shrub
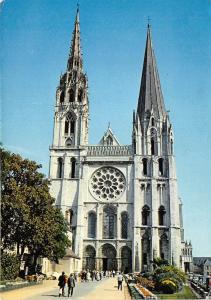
<point>167,286</point>
<point>9,266</point>
<point>147,283</point>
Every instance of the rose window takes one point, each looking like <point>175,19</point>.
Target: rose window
<point>107,183</point>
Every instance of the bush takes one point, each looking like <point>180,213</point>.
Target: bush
<point>168,286</point>
<point>9,266</point>
<point>147,283</point>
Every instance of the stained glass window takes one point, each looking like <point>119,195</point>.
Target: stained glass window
<point>91,225</point>
<point>124,225</point>
<point>109,222</point>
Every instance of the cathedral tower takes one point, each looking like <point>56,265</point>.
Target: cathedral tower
<point>72,106</point>
<point>155,181</point>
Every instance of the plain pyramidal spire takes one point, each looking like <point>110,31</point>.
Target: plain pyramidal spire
<point>150,96</point>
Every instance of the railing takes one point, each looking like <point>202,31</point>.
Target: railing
<point>109,150</point>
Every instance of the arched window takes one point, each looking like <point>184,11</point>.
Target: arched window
<point>69,216</point>
<point>144,162</point>
<point>145,251</point>
<point>62,97</point>
<point>72,126</point>
<point>71,95</point>
<point>145,215</point>
<point>109,140</point>
<point>161,215</point>
<point>109,222</point>
<point>80,95</point>
<point>73,167</point>
<point>124,225</point>
<point>172,150</point>
<point>153,142</point>
<point>160,166</point>
<point>92,225</point>
<point>60,168</point>
<point>152,146</point>
<point>164,247</point>
<point>66,127</point>
<point>153,122</point>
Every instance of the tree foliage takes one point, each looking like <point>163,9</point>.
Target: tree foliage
<point>165,273</point>
<point>9,266</point>
<point>29,218</point>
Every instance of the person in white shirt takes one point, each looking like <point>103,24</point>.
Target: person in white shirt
<point>120,280</point>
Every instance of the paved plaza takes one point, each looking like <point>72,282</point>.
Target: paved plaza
<point>102,290</point>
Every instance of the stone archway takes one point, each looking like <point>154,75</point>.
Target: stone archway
<point>108,255</point>
<point>89,258</point>
<point>126,259</point>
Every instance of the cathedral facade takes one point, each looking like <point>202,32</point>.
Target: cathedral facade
<point>120,201</point>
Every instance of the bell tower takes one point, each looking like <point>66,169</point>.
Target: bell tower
<point>156,202</point>
<point>72,105</point>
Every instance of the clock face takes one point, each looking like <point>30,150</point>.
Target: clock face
<point>107,183</point>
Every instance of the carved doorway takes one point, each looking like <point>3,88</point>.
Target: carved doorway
<point>108,253</point>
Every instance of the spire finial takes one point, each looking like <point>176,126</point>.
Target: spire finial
<point>148,22</point>
<point>109,125</point>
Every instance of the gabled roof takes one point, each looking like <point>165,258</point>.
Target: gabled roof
<point>200,260</point>
<point>109,139</point>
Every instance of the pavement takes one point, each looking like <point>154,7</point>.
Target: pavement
<point>106,289</point>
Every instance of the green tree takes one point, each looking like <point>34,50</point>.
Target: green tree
<point>171,273</point>
<point>29,218</point>
<point>9,266</point>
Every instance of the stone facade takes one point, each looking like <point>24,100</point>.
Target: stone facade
<point>121,201</point>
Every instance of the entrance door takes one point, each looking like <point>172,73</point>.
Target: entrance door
<point>109,257</point>
<point>105,264</point>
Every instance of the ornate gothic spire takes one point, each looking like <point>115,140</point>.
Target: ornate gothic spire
<point>75,57</point>
<point>150,96</point>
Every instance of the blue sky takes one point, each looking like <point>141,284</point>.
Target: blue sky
<point>36,37</point>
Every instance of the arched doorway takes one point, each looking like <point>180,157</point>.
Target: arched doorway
<point>108,254</point>
<point>89,257</point>
<point>126,259</point>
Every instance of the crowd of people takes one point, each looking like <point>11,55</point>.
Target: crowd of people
<point>85,276</point>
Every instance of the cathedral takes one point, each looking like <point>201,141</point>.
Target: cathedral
<point>121,202</point>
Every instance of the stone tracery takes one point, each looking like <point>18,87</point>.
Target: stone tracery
<point>107,183</point>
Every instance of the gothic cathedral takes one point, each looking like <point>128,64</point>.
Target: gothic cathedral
<point>120,201</point>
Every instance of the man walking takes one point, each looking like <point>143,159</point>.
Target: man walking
<point>71,285</point>
<point>61,284</point>
<point>120,280</point>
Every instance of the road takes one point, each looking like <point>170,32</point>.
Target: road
<point>101,290</point>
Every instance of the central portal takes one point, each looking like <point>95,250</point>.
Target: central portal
<point>109,257</point>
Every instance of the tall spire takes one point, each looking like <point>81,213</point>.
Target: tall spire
<point>75,58</point>
<point>150,96</point>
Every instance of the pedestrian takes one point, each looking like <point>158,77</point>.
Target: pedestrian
<point>61,284</point>
<point>120,280</point>
<point>71,285</point>
<point>88,276</point>
<point>113,273</point>
<point>97,276</point>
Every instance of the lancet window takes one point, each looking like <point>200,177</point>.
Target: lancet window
<point>62,97</point>
<point>60,168</point>
<point>71,95</point>
<point>145,215</point>
<point>109,222</point>
<point>92,225</point>
<point>144,162</point>
<point>124,225</point>
<point>73,167</point>
<point>161,215</point>
<point>160,166</point>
